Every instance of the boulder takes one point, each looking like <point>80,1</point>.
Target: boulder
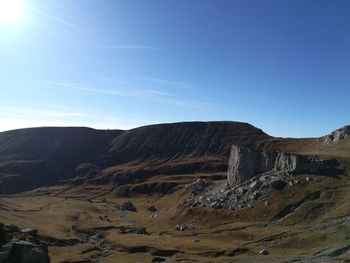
<point>278,184</point>
<point>28,230</point>
<point>199,185</point>
<point>128,206</point>
<point>152,209</point>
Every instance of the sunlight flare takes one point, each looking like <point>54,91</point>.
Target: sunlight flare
<point>11,11</point>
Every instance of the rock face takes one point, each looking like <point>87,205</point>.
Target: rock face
<point>337,135</point>
<point>21,245</point>
<point>247,162</point>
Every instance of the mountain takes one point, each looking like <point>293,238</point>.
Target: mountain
<point>35,157</point>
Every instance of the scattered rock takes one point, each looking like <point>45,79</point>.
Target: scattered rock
<point>128,206</point>
<point>152,209</point>
<point>184,227</point>
<point>154,215</point>
<point>199,185</point>
<point>29,231</point>
<point>278,184</point>
<point>264,252</point>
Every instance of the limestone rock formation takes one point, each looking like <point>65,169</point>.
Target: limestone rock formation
<point>247,162</point>
<point>337,135</point>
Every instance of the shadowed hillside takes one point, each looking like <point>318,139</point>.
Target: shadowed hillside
<point>40,156</point>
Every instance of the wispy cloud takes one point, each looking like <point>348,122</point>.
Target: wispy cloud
<point>54,18</point>
<point>172,83</point>
<point>129,92</point>
<point>155,95</point>
<point>133,47</point>
<point>23,117</point>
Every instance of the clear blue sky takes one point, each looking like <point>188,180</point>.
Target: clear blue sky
<point>283,66</point>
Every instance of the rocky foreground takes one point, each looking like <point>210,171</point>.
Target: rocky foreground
<point>21,245</point>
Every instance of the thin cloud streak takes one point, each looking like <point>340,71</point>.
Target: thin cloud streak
<point>127,92</point>
<point>157,96</point>
<point>56,19</point>
<point>17,118</point>
<point>177,84</point>
<point>133,47</point>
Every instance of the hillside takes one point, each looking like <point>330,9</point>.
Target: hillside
<point>36,157</point>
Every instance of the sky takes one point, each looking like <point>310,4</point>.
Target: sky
<point>280,65</point>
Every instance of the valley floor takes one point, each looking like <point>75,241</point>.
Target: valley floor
<point>86,223</point>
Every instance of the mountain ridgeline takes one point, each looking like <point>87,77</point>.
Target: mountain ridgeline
<point>35,157</point>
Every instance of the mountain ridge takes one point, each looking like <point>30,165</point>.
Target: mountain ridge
<point>35,157</point>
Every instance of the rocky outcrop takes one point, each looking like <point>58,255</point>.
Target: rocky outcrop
<point>337,135</point>
<point>247,162</point>
<point>21,245</point>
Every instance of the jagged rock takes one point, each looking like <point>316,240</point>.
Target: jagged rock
<point>128,206</point>
<point>337,135</point>
<point>199,185</point>
<point>247,162</point>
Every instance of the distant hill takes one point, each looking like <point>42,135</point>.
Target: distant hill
<point>42,156</point>
<point>36,157</point>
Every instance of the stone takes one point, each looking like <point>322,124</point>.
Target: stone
<point>199,185</point>
<point>184,227</point>
<point>29,231</point>
<point>141,231</point>
<point>278,184</point>
<point>152,209</point>
<point>254,185</point>
<point>128,206</point>
<point>264,252</point>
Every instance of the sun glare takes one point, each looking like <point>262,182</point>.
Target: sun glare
<point>11,11</point>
